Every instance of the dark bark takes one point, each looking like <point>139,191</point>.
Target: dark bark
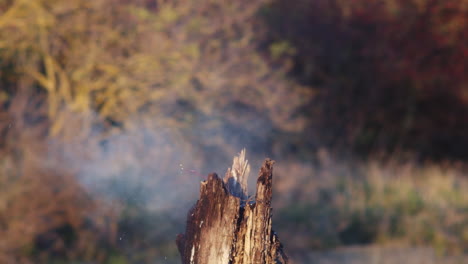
<point>227,227</point>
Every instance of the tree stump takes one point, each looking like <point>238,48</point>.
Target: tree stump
<point>226,226</point>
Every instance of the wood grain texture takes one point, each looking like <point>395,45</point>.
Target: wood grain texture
<point>226,227</point>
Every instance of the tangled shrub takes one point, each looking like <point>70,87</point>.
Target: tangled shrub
<point>46,215</point>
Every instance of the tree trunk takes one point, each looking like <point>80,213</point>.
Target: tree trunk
<point>226,226</point>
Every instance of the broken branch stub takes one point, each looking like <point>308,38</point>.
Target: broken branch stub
<point>225,227</point>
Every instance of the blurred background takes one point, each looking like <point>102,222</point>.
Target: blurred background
<point>113,111</point>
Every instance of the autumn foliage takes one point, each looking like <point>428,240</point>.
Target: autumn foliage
<point>133,87</point>
<point>388,75</point>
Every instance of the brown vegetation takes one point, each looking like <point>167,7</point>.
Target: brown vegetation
<point>389,76</point>
<point>104,101</point>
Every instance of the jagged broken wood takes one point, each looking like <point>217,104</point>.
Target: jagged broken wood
<point>226,226</point>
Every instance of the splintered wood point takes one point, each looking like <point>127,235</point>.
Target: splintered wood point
<point>225,227</point>
<point>237,176</point>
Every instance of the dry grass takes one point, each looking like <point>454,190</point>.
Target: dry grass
<point>374,202</point>
<point>104,104</point>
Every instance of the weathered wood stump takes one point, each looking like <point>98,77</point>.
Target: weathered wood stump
<point>226,226</point>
